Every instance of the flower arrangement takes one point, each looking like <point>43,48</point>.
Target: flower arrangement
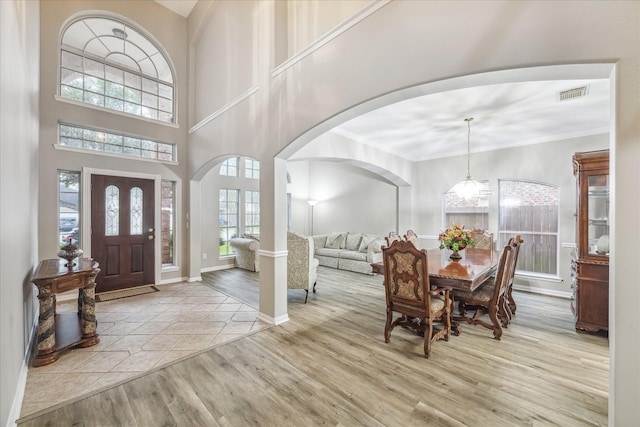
<point>455,238</point>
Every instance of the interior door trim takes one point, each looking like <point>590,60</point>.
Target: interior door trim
<point>85,232</point>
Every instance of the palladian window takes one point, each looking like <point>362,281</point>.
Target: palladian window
<point>110,64</point>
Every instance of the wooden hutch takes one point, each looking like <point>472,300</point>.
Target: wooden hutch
<point>590,263</point>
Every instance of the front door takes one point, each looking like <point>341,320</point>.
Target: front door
<point>122,231</point>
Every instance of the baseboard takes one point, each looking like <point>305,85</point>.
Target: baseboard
<point>217,268</point>
<point>24,371</point>
<point>174,280</point>
<point>195,279</point>
<point>542,291</point>
<point>273,320</point>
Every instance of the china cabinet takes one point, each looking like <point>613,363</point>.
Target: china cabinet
<point>590,263</point>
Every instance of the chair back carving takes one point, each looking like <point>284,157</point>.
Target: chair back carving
<point>393,236</point>
<point>408,292</point>
<point>482,239</point>
<point>412,237</point>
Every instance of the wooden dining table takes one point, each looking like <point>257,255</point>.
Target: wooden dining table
<point>467,273</point>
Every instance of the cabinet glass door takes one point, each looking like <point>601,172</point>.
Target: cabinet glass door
<point>598,204</point>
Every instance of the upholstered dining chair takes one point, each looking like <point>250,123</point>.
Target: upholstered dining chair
<point>481,239</point>
<point>408,292</point>
<point>510,303</point>
<point>488,299</point>
<point>393,236</point>
<point>412,237</point>
<point>302,267</point>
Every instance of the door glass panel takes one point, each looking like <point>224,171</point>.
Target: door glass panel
<point>598,208</point>
<point>112,205</point>
<point>136,211</point>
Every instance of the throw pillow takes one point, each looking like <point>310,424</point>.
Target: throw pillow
<point>353,241</point>
<point>335,240</point>
<point>366,239</point>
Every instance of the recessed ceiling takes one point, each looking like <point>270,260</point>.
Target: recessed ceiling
<point>505,115</point>
<point>181,7</point>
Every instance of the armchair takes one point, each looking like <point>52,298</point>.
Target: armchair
<point>246,250</point>
<point>302,267</point>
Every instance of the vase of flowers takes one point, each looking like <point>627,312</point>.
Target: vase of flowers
<point>455,239</point>
<point>69,251</point>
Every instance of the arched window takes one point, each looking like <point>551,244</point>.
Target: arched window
<point>109,64</point>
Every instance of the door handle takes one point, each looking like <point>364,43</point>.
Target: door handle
<point>150,237</point>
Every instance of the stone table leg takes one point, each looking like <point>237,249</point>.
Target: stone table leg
<point>89,323</point>
<point>46,327</point>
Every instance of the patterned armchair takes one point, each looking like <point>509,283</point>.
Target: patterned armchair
<point>302,267</point>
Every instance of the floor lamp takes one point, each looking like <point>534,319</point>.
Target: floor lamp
<point>312,203</point>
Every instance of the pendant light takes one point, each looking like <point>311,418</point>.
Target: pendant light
<point>469,188</point>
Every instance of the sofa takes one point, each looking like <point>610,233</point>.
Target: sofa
<point>302,267</point>
<point>349,251</point>
<point>246,250</point>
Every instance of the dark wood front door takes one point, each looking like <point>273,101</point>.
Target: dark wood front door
<point>122,231</point>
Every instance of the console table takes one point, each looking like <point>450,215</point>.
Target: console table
<point>60,331</point>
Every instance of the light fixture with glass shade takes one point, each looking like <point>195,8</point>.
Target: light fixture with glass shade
<point>469,188</point>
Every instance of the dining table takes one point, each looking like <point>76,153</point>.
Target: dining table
<point>474,268</point>
<point>466,273</point>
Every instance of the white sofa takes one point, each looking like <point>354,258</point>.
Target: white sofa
<point>349,251</point>
<point>246,249</point>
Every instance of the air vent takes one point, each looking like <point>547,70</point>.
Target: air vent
<point>574,93</point>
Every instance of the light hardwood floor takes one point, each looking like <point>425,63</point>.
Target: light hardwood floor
<point>329,365</point>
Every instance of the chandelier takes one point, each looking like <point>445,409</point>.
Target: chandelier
<point>469,188</point>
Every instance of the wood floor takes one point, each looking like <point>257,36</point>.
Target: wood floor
<point>329,365</point>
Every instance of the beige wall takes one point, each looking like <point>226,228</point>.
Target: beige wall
<point>548,163</point>
<point>430,44</point>
<point>170,31</point>
<point>19,41</point>
<point>349,199</point>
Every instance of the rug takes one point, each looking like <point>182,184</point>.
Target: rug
<point>124,293</point>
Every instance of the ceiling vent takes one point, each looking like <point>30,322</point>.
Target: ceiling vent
<point>574,93</point>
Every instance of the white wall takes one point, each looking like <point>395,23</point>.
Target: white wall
<point>19,74</point>
<point>349,199</point>
<point>310,19</point>
<point>548,163</point>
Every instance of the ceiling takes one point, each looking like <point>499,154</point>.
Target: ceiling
<point>504,115</point>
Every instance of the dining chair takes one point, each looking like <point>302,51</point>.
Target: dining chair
<point>510,303</point>
<point>412,237</point>
<point>393,236</point>
<point>408,292</point>
<point>488,299</point>
<point>481,239</point>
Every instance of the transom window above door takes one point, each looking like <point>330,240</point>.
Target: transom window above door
<point>110,64</point>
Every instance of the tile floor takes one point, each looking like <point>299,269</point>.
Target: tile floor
<point>137,334</point>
